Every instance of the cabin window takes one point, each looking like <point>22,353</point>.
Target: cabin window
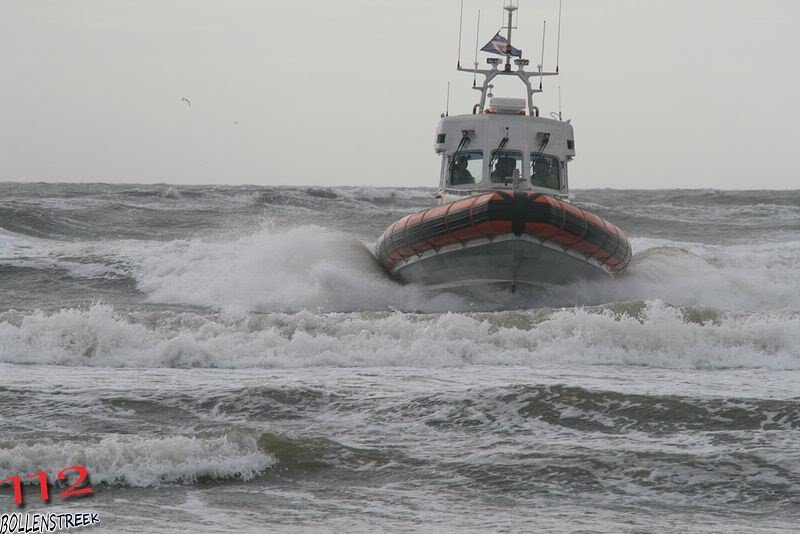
<point>545,171</point>
<point>504,163</point>
<point>466,168</point>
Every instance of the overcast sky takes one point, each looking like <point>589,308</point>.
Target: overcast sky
<point>662,93</point>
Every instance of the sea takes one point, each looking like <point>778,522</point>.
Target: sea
<point>233,359</point>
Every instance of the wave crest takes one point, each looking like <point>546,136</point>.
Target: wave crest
<point>651,334</point>
<point>145,462</point>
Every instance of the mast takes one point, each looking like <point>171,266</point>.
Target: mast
<point>506,69</point>
<point>510,8</point>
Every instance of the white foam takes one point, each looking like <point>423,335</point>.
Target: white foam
<point>319,269</point>
<point>737,278</point>
<point>301,268</point>
<point>651,334</point>
<point>171,192</point>
<point>384,194</point>
<point>314,268</point>
<point>143,462</point>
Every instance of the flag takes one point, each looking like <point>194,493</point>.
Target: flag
<point>500,45</point>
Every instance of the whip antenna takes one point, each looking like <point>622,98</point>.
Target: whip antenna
<point>460,28</point>
<point>447,106</point>
<point>560,116</point>
<point>558,41</point>
<point>541,65</point>
<point>477,44</point>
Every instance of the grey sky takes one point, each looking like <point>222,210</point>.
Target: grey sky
<point>662,93</point>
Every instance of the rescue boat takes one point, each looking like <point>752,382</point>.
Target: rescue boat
<point>505,215</point>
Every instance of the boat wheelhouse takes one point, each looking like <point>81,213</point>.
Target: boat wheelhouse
<point>503,147</point>
<point>505,137</point>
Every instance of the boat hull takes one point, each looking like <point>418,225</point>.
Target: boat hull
<point>503,238</point>
<point>504,260</point>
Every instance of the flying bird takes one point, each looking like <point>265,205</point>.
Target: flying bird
<point>184,99</point>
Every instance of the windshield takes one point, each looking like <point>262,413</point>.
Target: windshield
<point>505,163</point>
<point>545,171</point>
<point>466,168</point>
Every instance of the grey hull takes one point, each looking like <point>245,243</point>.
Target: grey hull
<point>514,261</point>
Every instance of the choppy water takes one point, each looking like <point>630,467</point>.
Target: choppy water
<point>232,359</point>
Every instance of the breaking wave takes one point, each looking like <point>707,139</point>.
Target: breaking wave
<point>144,462</point>
<point>306,268</point>
<point>313,268</point>
<point>636,333</point>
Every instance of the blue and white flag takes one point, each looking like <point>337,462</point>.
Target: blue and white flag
<point>500,45</point>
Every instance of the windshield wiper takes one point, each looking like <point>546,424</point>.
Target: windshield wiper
<point>464,141</point>
<point>496,152</point>
<point>543,143</point>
